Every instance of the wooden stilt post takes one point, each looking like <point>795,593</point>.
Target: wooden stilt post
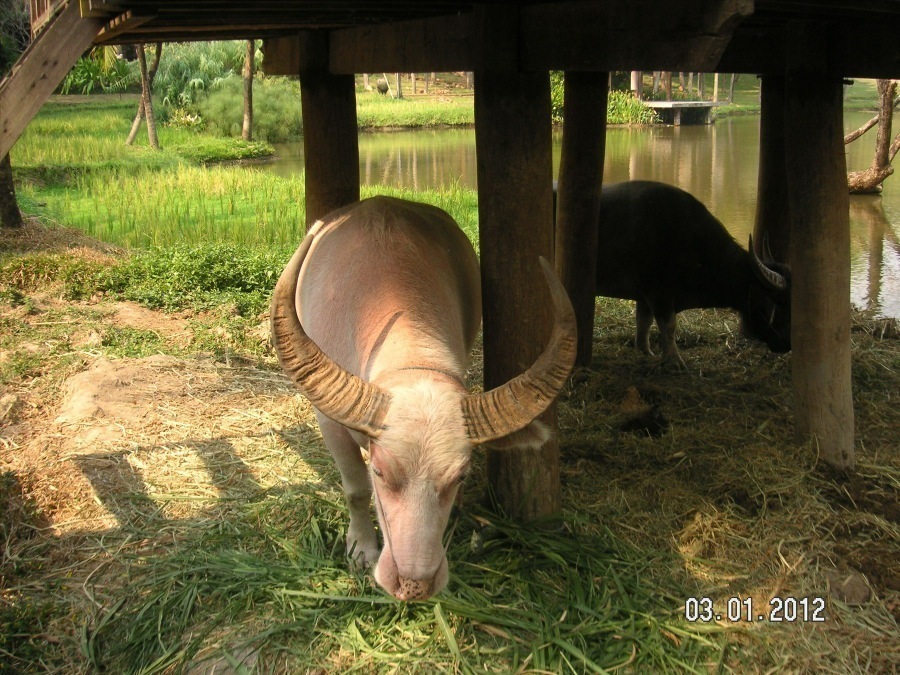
<point>515,212</point>
<point>578,197</point>
<point>820,237</point>
<point>330,145</point>
<point>773,222</point>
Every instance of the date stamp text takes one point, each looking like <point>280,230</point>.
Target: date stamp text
<point>777,610</point>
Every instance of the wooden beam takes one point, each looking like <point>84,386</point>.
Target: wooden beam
<point>820,239</point>
<point>578,197</point>
<point>635,35</point>
<point>772,228</point>
<point>580,35</point>
<point>101,9</point>
<point>281,55</point>
<point>122,24</point>
<point>425,45</point>
<point>859,48</point>
<point>330,146</point>
<point>515,213</point>
<point>40,69</point>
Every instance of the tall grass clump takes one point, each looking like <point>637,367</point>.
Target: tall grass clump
<point>103,69</point>
<point>277,115</point>
<point>375,111</point>
<point>187,70</point>
<point>623,107</point>
<point>67,140</point>
<point>187,205</point>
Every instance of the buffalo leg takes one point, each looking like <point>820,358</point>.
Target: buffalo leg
<point>644,319</point>
<point>362,542</point>
<point>665,321</point>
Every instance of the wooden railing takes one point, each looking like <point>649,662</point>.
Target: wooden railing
<point>41,13</point>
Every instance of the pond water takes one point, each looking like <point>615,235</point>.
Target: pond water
<point>716,163</point>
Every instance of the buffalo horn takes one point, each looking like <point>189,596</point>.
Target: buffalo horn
<point>512,406</point>
<point>336,392</point>
<point>767,275</point>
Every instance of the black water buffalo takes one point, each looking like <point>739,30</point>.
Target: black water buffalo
<point>660,246</point>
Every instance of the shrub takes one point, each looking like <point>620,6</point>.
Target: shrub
<point>198,276</point>
<point>557,89</point>
<point>187,71</point>
<point>277,115</point>
<point>103,68</point>
<point>623,108</point>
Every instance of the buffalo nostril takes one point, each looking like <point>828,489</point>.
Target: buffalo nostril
<point>413,589</point>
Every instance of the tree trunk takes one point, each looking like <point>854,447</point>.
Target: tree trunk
<point>247,130</point>
<point>715,87</point>
<point>870,180</point>
<point>412,80</point>
<point>734,78</point>
<point>399,87</point>
<point>147,100</point>
<point>10,216</point>
<point>136,125</point>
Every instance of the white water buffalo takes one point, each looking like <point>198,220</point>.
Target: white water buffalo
<point>374,318</point>
<point>660,246</point>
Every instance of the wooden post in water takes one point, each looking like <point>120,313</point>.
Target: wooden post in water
<point>515,212</point>
<point>820,237</point>
<point>578,197</point>
<point>773,213</point>
<point>330,146</point>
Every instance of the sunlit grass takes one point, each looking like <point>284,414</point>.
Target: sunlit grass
<point>188,204</point>
<point>195,205</point>
<point>374,110</point>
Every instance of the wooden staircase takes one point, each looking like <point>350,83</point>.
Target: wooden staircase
<point>61,35</point>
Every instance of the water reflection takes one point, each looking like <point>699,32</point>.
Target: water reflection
<point>716,163</point>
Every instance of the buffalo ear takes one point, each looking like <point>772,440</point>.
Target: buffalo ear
<point>530,437</point>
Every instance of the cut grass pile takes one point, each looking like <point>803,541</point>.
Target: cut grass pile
<point>199,521</point>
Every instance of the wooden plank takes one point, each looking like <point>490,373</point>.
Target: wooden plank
<point>122,24</point>
<point>772,228</point>
<point>578,197</point>
<point>636,35</point>
<point>281,55</point>
<point>820,238</point>
<point>426,45</point>
<point>40,69</point>
<point>100,9</point>
<point>858,49</point>
<point>331,149</point>
<point>515,213</point>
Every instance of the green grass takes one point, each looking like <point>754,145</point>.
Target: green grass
<point>65,139</point>
<point>375,111</point>
<point>275,583</point>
